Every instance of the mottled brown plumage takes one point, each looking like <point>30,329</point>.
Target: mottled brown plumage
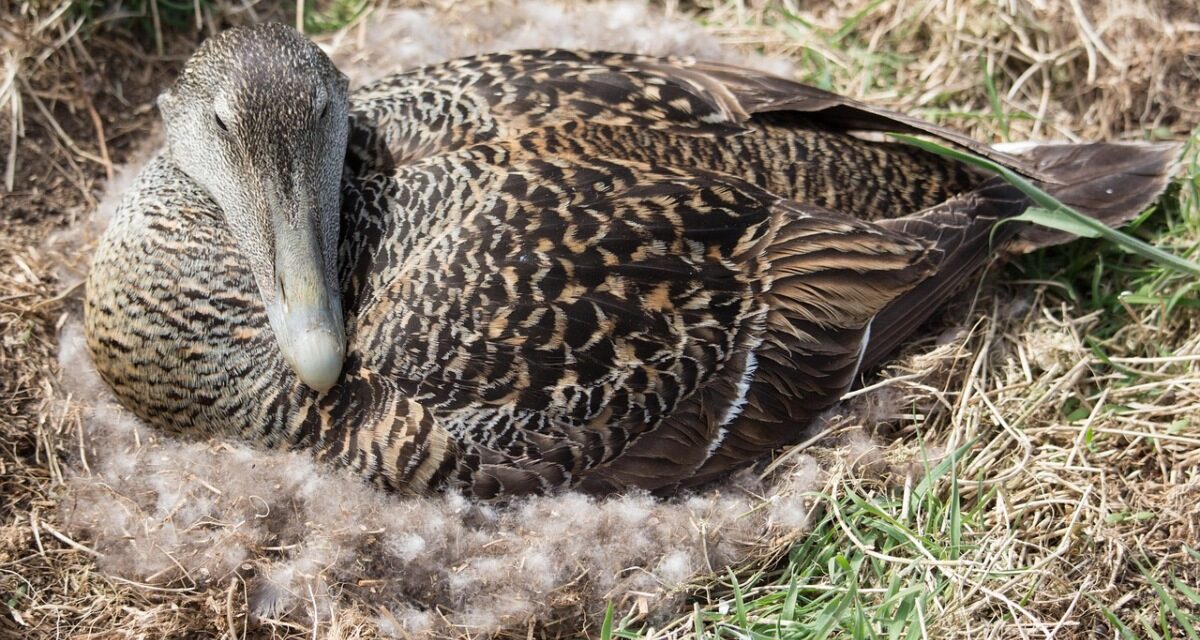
<point>572,269</point>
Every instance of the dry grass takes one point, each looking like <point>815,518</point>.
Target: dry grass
<point>1071,511</point>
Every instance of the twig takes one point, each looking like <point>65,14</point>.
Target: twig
<point>1090,36</point>
<point>69,542</point>
<point>10,167</point>
<point>99,126</point>
<point>37,536</point>
<point>58,130</point>
<point>158,39</point>
<point>229,606</point>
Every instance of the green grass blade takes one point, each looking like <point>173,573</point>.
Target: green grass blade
<point>606,627</point>
<point>1060,215</point>
<point>851,24</point>
<point>1148,627</point>
<point>836,609</point>
<point>1052,219</point>
<point>789,602</point>
<point>994,98</point>
<point>1169,603</point>
<point>931,478</point>
<point>1122,628</point>
<point>739,602</point>
<point>1187,591</point>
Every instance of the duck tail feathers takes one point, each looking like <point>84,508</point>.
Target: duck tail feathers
<point>1110,182</point>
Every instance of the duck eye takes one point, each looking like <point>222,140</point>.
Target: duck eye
<point>221,123</point>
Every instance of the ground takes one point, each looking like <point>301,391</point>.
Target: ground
<point>1027,468</point>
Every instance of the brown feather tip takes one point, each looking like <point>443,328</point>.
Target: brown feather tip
<point>1110,182</point>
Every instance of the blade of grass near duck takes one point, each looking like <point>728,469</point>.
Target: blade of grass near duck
<point>1056,215</point>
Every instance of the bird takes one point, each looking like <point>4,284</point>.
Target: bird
<point>542,270</point>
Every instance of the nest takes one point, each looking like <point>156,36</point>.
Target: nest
<point>1076,465</point>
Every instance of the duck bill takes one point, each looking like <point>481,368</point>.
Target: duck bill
<point>306,314</point>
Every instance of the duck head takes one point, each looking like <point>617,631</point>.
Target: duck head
<point>258,119</point>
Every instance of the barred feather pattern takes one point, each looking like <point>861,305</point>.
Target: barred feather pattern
<point>558,269</point>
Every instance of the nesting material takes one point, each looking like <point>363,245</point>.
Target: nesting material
<point>305,538</point>
<point>303,542</point>
<point>1075,522</point>
<point>394,40</point>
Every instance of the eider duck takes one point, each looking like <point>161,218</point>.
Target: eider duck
<point>519,272</point>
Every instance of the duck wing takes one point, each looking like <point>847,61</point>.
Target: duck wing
<point>620,168</point>
<point>1108,182</point>
<point>494,96</point>
<point>558,308</point>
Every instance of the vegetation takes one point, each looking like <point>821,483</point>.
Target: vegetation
<point>1040,466</point>
<point>1020,531</point>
